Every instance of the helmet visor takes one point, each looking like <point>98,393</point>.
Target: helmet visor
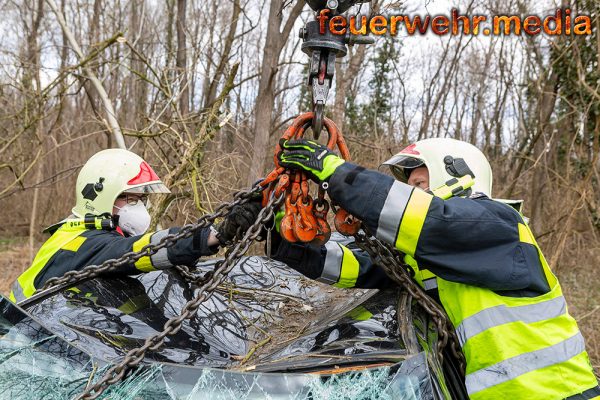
<point>401,165</point>
<point>157,187</point>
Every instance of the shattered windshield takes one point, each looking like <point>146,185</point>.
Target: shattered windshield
<point>33,360</point>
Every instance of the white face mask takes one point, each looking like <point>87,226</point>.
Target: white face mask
<point>134,219</point>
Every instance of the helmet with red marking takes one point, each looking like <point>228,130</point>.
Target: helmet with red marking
<point>445,159</point>
<point>108,174</point>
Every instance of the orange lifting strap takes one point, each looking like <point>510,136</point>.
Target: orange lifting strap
<point>305,219</point>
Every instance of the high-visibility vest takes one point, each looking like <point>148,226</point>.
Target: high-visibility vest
<point>519,347</point>
<point>67,237</point>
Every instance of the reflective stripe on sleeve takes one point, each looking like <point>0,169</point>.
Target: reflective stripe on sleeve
<point>144,264</point>
<point>412,221</point>
<point>392,211</point>
<point>160,259</point>
<point>430,284</point>
<point>341,268</point>
<point>333,264</point>
<point>349,271</point>
<point>516,366</point>
<point>502,314</point>
<point>590,394</point>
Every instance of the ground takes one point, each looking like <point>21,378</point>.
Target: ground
<point>581,287</point>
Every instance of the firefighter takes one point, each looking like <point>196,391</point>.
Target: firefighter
<point>110,218</point>
<point>474,255</point>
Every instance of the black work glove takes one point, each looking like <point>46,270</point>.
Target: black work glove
<point>237,222</point>
<point>309,156</point>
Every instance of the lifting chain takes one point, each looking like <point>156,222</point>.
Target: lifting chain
<point>391,260</point>
<point>305,219</point>
<point>222,268</point>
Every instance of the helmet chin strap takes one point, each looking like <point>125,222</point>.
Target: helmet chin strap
<point>454,187</point>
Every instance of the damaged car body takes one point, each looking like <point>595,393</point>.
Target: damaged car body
<point>266,332</point>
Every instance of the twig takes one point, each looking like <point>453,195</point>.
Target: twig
<point>87,385</point>
<point>253,349</point>
<point>588,314</point>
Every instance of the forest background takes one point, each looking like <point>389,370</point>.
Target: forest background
<point>204,89</point>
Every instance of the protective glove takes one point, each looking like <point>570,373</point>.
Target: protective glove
<point>237,221</point>
<point>312,157</point>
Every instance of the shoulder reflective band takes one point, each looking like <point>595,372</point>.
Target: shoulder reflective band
<point>74,244</point>
<point>454,187</point>
<point>516,366</point>
<point>498,315</point>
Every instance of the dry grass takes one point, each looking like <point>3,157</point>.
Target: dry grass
<point>14,259</point>
<point>581,287</point>
<point>580,283</point>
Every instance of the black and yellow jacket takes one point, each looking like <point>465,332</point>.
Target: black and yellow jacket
<point>480,259</point>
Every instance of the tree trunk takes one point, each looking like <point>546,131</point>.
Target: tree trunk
<point>346,78</point>
<point>113,124</point>
<point>211,92</point>
<point>34,68</point>
<point>274,43</point>
<point>181,61</point>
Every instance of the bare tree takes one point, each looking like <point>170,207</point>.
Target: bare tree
<point>113,124</point>
<point>181,63</point>
<point>274,42</point>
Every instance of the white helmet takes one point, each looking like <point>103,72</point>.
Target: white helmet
<point>445,159</point>
<point>109,173</point>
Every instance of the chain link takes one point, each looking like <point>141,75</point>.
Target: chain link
<point>391,261</point>
<point>207,287</point>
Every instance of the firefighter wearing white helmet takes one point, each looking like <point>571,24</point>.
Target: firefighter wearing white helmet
<point>108,174</point>
<point>110,218</point>
<point>446,160</point>
<point>473,254</point>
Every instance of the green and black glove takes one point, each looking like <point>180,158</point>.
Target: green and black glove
<point>309,156</point>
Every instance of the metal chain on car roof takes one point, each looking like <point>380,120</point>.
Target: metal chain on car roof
<point>391,261</point>
<point>208,285</point>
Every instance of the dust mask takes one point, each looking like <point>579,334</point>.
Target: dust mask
<point>134,219</point>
